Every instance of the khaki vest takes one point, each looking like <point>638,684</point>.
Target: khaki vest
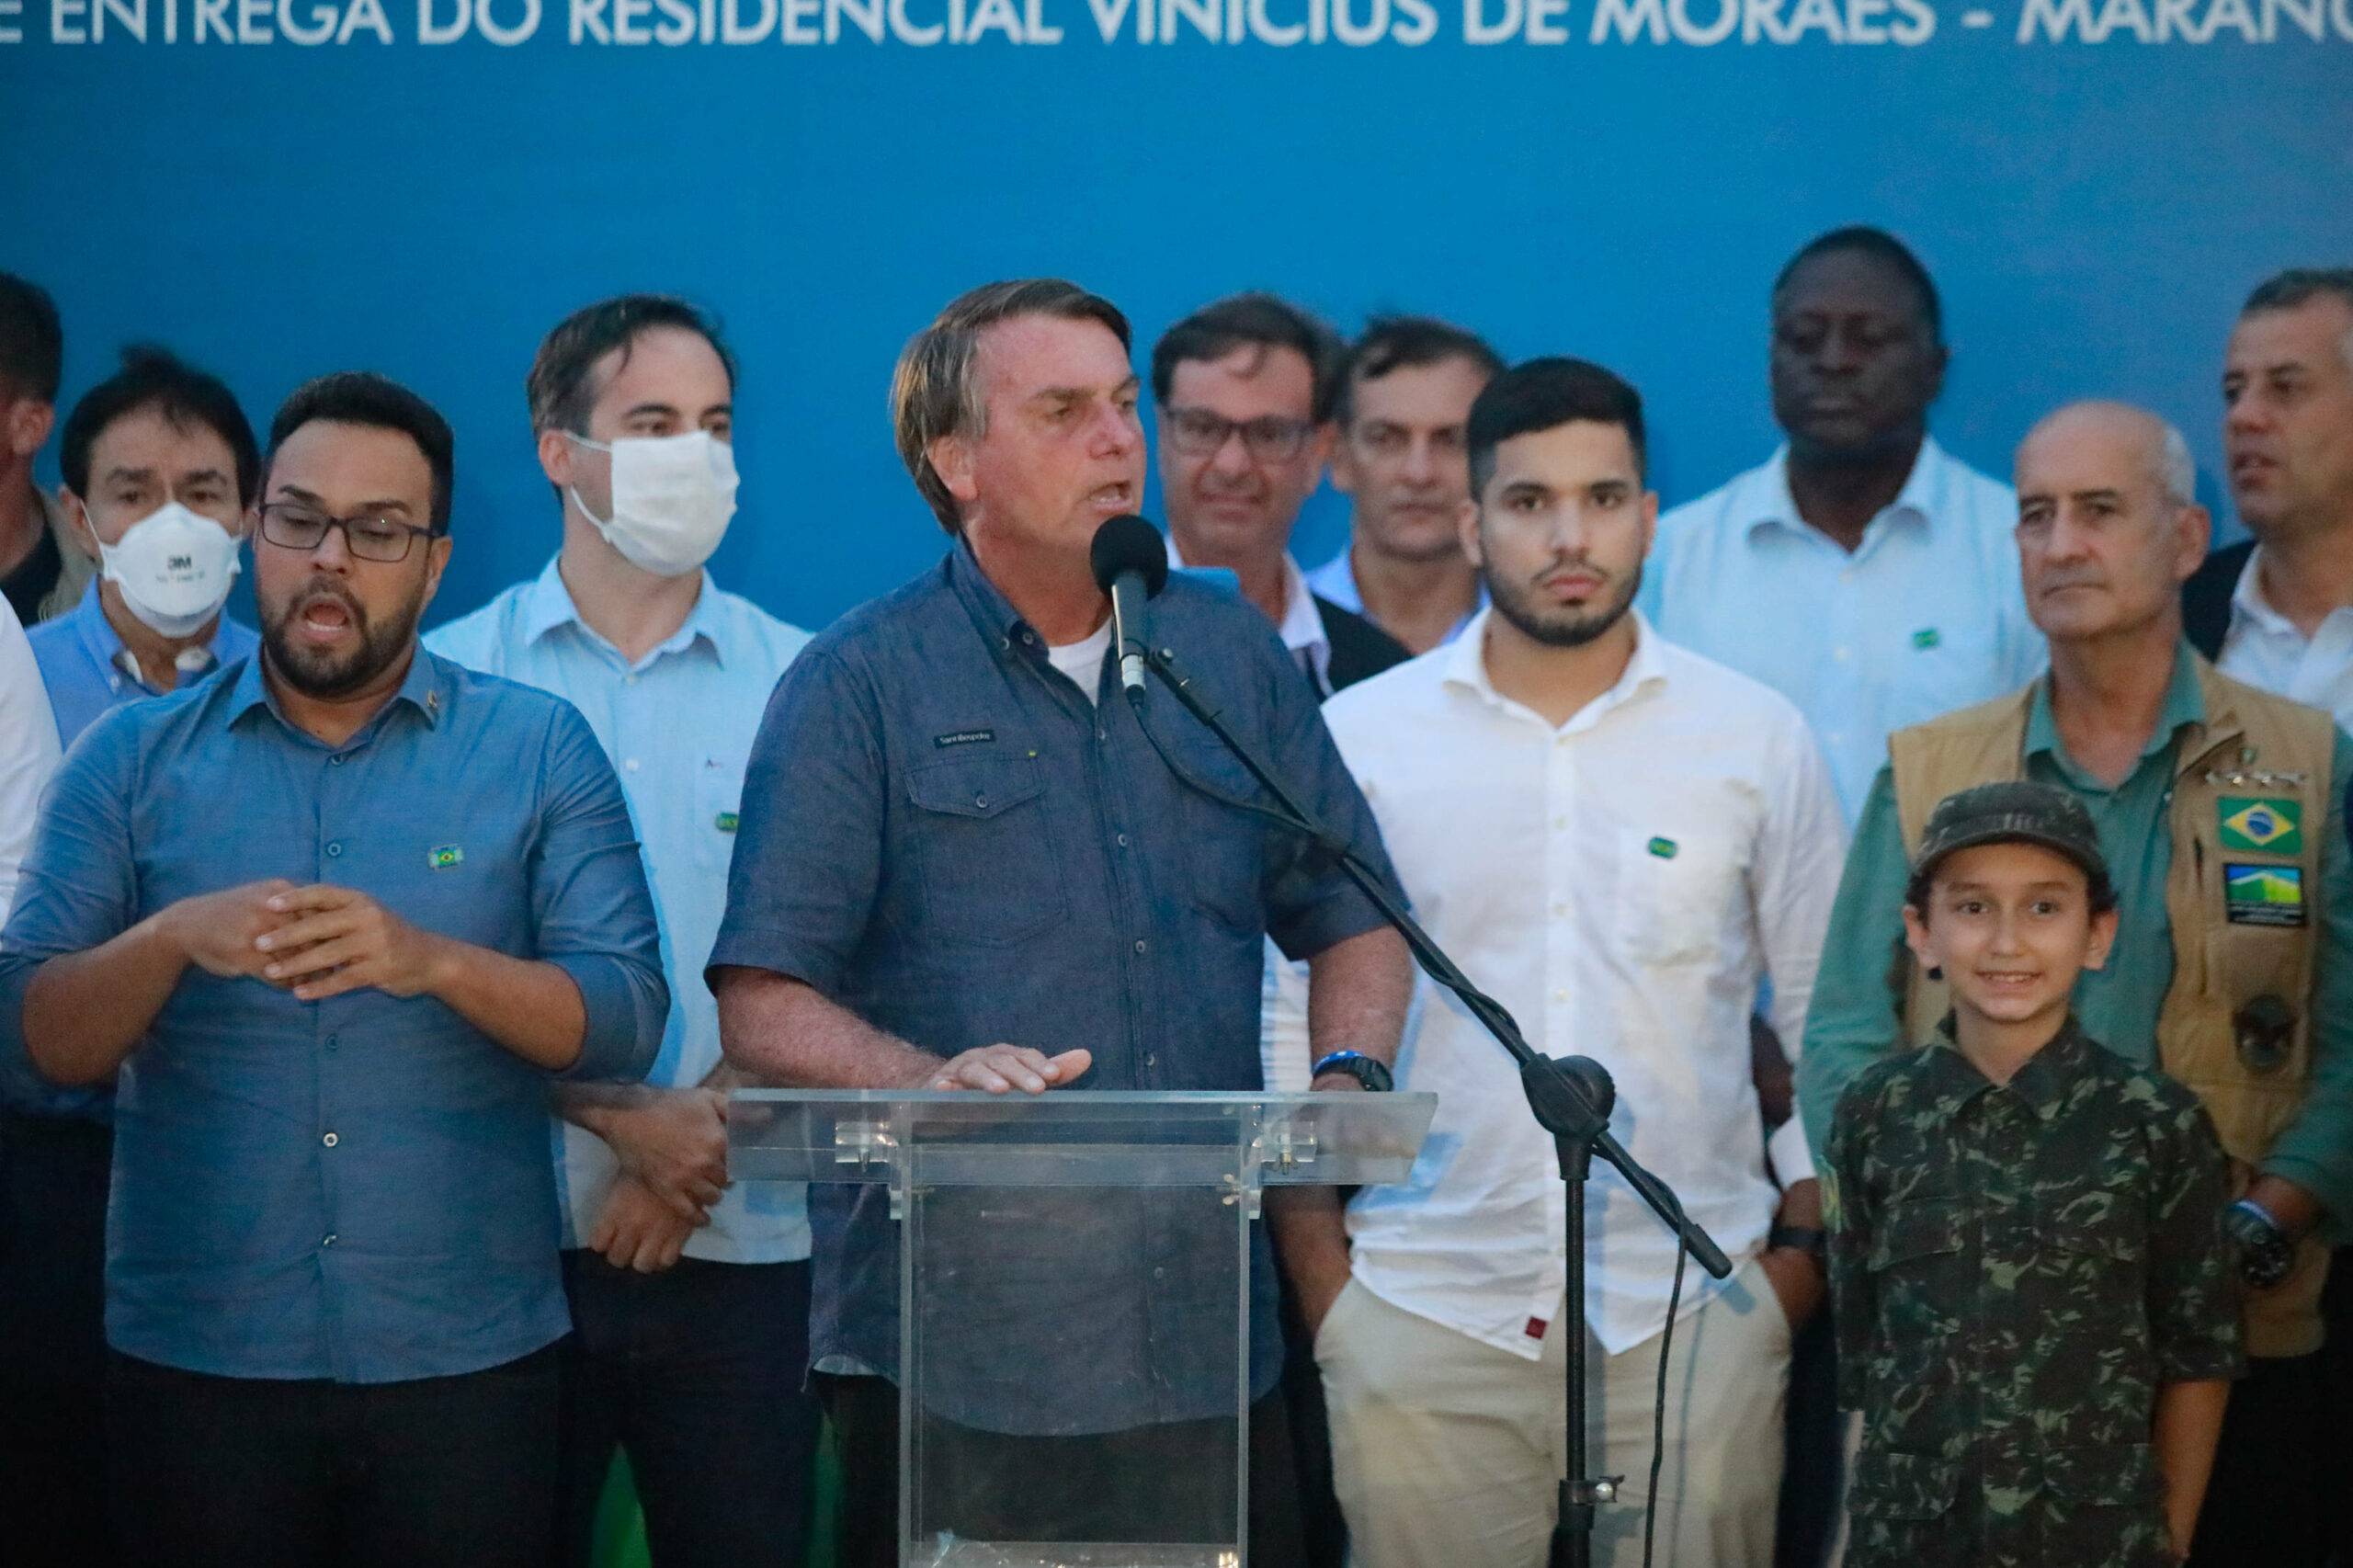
<point>2234,1026</point>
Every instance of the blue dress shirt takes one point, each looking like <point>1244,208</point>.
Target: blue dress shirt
<point>87,670</point>
<point>355,1189</point>
<point>678,724</point>
<point>945,836</point>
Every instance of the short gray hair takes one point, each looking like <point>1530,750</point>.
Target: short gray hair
<point>2286,291</point>
<point>936,390</point>
<point>2176,470</point>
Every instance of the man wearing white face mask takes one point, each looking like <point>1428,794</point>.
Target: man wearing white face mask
<point>160,467</point>
<point>160,470</point>
<point>689,1296</point>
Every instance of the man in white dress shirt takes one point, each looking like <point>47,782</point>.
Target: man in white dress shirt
<point>1617,839</point>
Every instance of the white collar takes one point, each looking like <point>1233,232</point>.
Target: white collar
<point>1301,627</point>
<point>2247,601</point>
<point>1770,500</point>
<point>1466,668</point>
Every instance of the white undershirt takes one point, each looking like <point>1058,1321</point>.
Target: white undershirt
<point>1083,661</point>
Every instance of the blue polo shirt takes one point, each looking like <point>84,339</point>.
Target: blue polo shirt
<point>944,836</point>
<point>355,1189</point>
<point>87,670</point>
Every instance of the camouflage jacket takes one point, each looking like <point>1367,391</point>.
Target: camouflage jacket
<point>2014,1270</point>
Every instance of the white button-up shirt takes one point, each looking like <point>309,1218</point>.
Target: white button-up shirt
<point>2264,648</point>
<point>1924,617</point>
<point>28,749</point>
<point>1620,885</point>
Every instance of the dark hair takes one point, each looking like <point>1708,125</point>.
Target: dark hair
<point>1880,246</point>
<point>2286,291</point>
<point>363,397</point>
<point>2098,889</point>
<point>1544,395</point>
<point>1253,321</point>
<point>936,390</point>
<point>158,379</point>
<point>32,342</point>
<point>1407,343</point>
<point>558,386</point>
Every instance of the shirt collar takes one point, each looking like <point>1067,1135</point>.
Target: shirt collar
<point>1770,503</point>
<point>1301,627</point>
<point>2185,704</point>
<point>108,650</point>
<point>1466,669</point>
<point>425,690</point>
<point>549,605</point>
<point>2248,605</point>
<point>2041,1082</point>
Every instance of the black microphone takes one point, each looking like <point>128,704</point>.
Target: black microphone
<point>1131,564</point>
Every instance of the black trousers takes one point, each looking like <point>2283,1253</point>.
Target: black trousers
<point>54,1173</point>
<point>2271,1504</point>
<point>700,1374</point>
<point>456,1472</point>
<point>1026,1477</point>
<point>1813,1434</point>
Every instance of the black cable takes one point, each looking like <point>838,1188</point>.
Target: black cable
<point>1658,1404</point>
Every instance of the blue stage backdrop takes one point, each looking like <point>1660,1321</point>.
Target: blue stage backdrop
<point>278,187</point>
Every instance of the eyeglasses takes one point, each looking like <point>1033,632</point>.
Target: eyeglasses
<point>292,525</point>
<point>1270,437</point>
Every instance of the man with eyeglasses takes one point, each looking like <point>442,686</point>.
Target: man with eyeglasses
<point>161,468</point>
<point>1246,389</point>
<point>336,917</point>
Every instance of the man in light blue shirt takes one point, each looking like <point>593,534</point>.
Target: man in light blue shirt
<point>156,434</point>
<point>336,917</point>
<point>689,1296</point>
<point>1861,572</point>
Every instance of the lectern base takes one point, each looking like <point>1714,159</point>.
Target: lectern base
<point>952,1551</point>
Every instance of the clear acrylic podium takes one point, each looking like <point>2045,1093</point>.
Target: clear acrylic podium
<point>1075,1290</point>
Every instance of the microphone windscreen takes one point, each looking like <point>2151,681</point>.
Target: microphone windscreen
<point>1127,543</point>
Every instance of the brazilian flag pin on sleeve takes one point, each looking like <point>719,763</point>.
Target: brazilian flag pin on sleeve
<point>442,856</point>
<point>2266,825</point>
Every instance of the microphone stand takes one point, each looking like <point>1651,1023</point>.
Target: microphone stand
<point>1571,1098</point>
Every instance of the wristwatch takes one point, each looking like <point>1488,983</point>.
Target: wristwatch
<point>1807,1239</point>
<point>1370,1070</point>
<point>2265,1254</point>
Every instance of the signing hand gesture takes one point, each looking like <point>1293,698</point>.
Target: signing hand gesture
<point>334,939</point>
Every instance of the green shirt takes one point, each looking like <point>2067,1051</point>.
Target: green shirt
<point>1853,1019</point>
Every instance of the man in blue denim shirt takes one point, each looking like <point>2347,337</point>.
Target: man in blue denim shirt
<point>961,864</point>
<point>337,915</point>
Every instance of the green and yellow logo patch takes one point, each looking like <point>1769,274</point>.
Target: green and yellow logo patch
<point>727,821</point>
<point>2263,895</point>
<point>444,855</point>
<point>1665,848</point>
<point>1926,637</point>
<point>2272,826</point>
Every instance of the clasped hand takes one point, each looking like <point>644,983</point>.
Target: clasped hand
<point>316,942</point>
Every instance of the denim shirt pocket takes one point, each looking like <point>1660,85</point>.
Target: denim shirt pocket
<point>983,846</point>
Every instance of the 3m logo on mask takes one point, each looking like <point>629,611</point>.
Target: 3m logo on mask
<point>180,563</point>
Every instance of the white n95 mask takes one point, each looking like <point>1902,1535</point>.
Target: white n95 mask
<point>673,496</point>
<point>173,567</point>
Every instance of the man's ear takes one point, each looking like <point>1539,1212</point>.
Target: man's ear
<point>2103,940</point>
<point>77,522</point>
<point>555,457</point>
<point>27,424</point>
<point>951,458</point>
<point>1466,529</point>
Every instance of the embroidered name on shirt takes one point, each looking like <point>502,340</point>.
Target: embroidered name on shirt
<point>962,738</point>
<point>444,855</point>
<point>2272,826</point>
<point>2263,895</point>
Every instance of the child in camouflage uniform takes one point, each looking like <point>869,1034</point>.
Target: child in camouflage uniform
<point>2029,1273</point>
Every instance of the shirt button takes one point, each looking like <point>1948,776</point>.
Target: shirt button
<point>327,1239</point>
<point>981,802</point>
<point>1150,1060</point>
<point>1840,655</point>
<point>631,765</point>
<point>330,1140</point>
<point>1559,821</point>
<point>1140,944</point>
<point>1123,841</point>
<point>336,761</point>
<point>629,680</point>
<point>334,850</point>
<point>1560,909</point>
<point>1559,993</point>
<point>331,1042</point>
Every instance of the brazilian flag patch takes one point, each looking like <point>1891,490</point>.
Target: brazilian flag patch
<point>727,821</point>
<point>444,855</point>
<point>2273,827</point>
<point>2263,895</point>
<point>1665,848</point>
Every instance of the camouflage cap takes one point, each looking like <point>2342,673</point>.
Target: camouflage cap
<point>2014,812</point>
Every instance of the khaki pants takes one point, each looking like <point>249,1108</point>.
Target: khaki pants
<point>1447,1451</point>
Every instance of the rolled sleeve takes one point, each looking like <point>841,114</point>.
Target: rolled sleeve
<point>1851,1018</point>
<point>2315,1152</point>
<point>1312,904</point>
<point>807,855</point>
<point>591,910</point>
